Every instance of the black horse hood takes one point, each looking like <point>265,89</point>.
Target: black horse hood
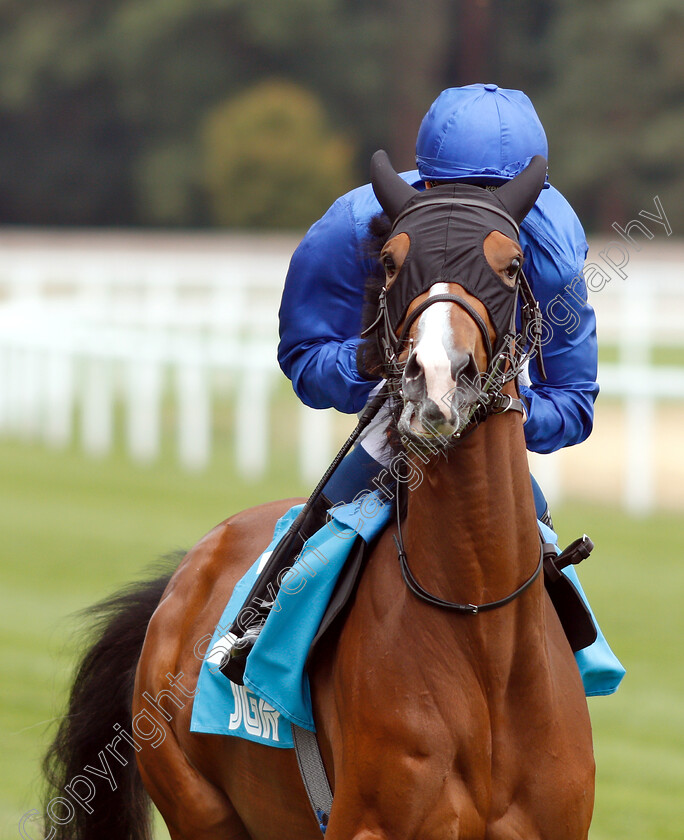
<point>447,226</point>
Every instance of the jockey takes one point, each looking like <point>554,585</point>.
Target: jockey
<point>479,134</point>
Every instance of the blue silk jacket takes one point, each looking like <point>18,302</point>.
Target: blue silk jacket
<point>320,315</point>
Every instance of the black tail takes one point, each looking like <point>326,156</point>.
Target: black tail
<point>100,700</point>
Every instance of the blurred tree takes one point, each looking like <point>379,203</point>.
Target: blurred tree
<point>518,43</point>
<point>271,159</point>
<point>182,63</point>
<point>64,153</point>
<point>101,103</point>
<point>441,43</point>
<point>421,35</point>
<point>614,108</point>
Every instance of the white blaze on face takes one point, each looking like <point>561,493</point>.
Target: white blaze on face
<point>434,342</point>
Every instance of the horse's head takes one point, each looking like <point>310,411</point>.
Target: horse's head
<point>445,318</point>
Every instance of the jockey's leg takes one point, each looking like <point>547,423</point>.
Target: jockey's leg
<point>364,463</point>
<point>567,595</point>
<point>353,476</point>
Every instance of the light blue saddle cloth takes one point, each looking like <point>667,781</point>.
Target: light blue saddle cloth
<point>276,692</point>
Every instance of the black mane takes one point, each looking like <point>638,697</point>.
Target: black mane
<point>370,359</point>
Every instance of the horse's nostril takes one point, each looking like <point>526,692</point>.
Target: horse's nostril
<point>464,368</point>
<point>414,379</point>
<point>472,372</point>
<point>413,367</point>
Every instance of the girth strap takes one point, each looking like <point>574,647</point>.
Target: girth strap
<point>313,773</point>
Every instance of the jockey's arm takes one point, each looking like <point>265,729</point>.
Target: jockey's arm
<point>560,409</point>
<point>320,317</point>
<point>321,308</point>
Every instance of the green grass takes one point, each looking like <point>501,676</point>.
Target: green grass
<point>635,580</point>
<point>73,530</point>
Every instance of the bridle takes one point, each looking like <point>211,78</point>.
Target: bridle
<point>505,361</point>
<point>504,364</point>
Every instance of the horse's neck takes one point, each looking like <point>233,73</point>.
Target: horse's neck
<point>471,529</point>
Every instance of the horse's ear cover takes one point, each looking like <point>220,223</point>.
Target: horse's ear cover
<point>446,227</point>
<point>390,189</point>
<point>517,196</point>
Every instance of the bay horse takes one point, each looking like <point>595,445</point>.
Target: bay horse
<point>433,722</point>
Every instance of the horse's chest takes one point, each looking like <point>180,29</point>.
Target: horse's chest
<point>454,760</point>
<point>435,742</point>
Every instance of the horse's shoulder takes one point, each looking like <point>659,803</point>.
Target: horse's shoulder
<point>256,516</point>
<point>200,587</point>
<point>230,548</point>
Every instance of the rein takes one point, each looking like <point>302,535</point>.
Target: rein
<point>464,609</point>
<point>452,606</point>
<point>492,401</point>
<point>504,364</point>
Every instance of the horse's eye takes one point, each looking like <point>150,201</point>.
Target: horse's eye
<point>513,268</point>
<point>388,264</point>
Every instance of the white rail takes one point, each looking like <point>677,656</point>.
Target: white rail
<point>90,321</point>
<point>82,330</point>
<point>635,315</point>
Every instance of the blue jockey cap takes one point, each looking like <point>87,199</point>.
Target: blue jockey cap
<point>479,133</point>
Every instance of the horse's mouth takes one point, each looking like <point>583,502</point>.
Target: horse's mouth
<point>426,421</point>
